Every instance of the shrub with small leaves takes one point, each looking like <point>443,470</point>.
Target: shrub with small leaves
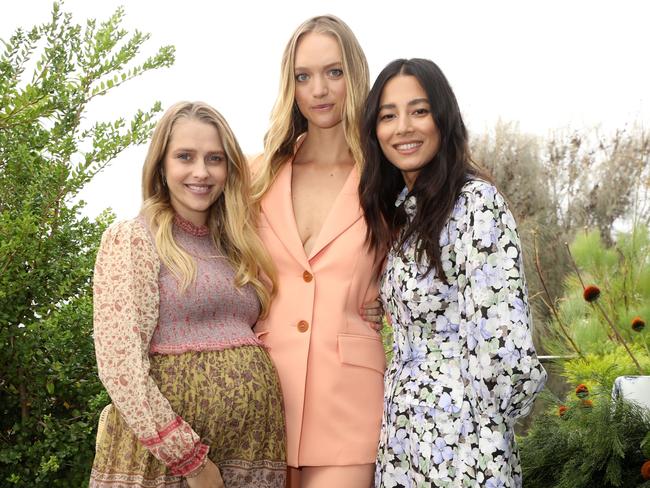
<point>50,397</point>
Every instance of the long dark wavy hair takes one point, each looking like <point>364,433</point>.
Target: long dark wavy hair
<point>438,184</point>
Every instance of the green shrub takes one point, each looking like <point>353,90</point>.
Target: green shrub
<point>591,440</point>
<point>586,446</point>
<point>50,395</point>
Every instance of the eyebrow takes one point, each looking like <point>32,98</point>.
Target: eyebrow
<point>415,101</point>
<point>185,149</point>
<point>327,66</point>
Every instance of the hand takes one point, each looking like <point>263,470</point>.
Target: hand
<point>209,477</point>
<point>373,313</point>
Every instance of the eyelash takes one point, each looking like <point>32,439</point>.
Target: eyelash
<point>417,112</point>
<point>334,73</point>
<point>215,158</point>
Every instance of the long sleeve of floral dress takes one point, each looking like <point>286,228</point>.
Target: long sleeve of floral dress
<point>126,299</point>
<point>502,371</point>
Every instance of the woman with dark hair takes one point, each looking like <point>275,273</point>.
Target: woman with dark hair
<point>464,366</point>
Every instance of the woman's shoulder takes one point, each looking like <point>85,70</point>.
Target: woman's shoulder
<point>478,194</point>
<point>478,187</point>
<point>255,163</point>
<point>126,245</point>
<point>134,232</point>
<point>260,166</point>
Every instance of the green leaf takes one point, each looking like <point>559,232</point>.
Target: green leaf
<point>51,395</point>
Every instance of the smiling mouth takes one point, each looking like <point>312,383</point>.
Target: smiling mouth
<point>199,189</point>
<point>407,147</point>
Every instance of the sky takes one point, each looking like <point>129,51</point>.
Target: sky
<point>546,65</point>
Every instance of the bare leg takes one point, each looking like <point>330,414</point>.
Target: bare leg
<point>293,477</point>
<point>355,476</point>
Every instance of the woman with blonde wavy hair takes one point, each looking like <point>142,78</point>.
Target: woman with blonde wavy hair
<point>321,337</point>
<point>195,398</point>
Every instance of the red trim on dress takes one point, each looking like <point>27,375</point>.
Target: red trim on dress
<point>190,228</point>
<point>173,425</point>
<point>191,462</point>
<point>206,346</point>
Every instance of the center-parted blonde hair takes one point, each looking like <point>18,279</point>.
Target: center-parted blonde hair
<point>287,123</point>
<point>231,219</point>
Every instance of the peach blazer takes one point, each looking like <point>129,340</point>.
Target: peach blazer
<point>330,361</point>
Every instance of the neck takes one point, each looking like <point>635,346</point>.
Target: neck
<point>190,226</point>
<point>409,178</point>
<point>326,146</point>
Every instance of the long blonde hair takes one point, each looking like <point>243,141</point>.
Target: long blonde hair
<point>287,123</point>
<point>232,216</point>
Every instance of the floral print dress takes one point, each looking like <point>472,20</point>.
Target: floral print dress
<point>464,366</point>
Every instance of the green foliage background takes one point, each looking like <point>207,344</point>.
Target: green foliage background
<point>50,395</point>
<point>597,440</point>
<point>587,446</point>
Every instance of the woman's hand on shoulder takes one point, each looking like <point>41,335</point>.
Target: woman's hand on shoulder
<point>209,477</point>
<point>373,313</point>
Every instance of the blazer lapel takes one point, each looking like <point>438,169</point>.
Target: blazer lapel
<point>278,210</point>
<point>345,211</point>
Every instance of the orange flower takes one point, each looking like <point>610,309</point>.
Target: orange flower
<point>638,324</point>
<point>645,470</point>
<point>591,293</point>
<point>582,391</point>
<point>586,403</point>
<point>562,410</point>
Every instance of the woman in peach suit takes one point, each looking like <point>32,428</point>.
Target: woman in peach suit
<point>329,357</point>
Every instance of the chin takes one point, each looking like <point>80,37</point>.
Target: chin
<point>205,211</point>
<point>326,124</point>
<point>202,206</point>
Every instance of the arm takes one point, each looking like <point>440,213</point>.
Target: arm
<point>125,315</point>
<point>502,366</point>
<point>372,310</point>
<point>373,313</point>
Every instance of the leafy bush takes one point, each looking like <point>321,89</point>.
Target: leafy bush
<point>588,445</point>
<point>588,439</point>
<point>51,396</point>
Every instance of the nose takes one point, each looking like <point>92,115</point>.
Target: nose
<point>200,170</point>
<point>403,125</point>
<point>320,87</point>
